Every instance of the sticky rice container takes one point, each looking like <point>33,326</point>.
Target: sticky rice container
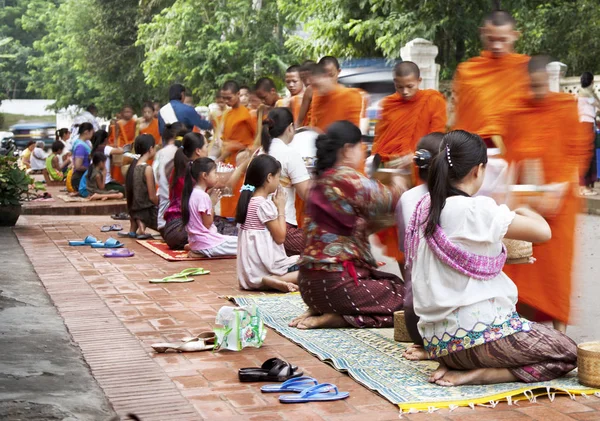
<point>588,364</point>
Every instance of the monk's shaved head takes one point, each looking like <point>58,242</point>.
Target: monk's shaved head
<point>539,81</point>
<point>267,91</point>
<point>230,93</point>
<point>330,60</point>
<point>407,68</point>
<point>265,83</point>
<point>499,33</point>
<point>499,18</point>
<point>231,86</point>
<point>295,68</point>
<point>538,64</point>
<point>293,81</point>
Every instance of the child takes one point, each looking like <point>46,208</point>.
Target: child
<point>262,262</point>
<point>53,170</point>
<point>64,159</point>
<point>142,200</point>
<point>197,212</point>
<point>26,155</point>
<point>96,179</point>
<point>100,144</point>
<point>466,304</point>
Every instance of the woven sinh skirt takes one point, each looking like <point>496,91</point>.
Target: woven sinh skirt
<point>174,234</point>
<point>294,240</point>
<point>147,216</point>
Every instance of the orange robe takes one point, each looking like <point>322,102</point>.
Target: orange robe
<point>238,126</point>
<point>339,104</point>
<point>152,129</point>
<point>485,89</point>
<point>549,130</point>
<point>126,136</point>
<point>401,126</point>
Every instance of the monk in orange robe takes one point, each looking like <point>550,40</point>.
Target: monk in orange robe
<point>332,68</point>
<point>266,91</point>
<point>239,130</point>
<point>544,128</point>
<point>406,116</point>
<point>126,128</point>
<point>148,124</point>
<point>332,102</point>
<point>294,85</point>
<point>486,87</point>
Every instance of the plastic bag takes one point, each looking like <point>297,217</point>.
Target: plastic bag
<point>240,327</point>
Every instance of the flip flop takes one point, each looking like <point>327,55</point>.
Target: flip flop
<point>130,234</point>
<point>143,236</point>
<point>122,216</point>
<point>119,253</point>
<point>183,276</point>
<point>110,243</point>
<point>280,372</point>
<point>269,364</point>
<point>116,227</point>
<point>105,228</point>
<point>297,384</point>
<point>208,337</point>
<point>319,393</point>
<point>193,345</point>
<point>86,242</point>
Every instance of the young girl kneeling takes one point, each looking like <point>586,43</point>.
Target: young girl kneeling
<point>197,212</point>
<point>96,179</point>
<point>466,304</point>
<point>262,262</point>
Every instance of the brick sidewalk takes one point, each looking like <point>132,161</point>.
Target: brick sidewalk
<point>114,314</point>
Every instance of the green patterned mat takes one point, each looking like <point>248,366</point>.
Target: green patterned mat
<point>376,362</point>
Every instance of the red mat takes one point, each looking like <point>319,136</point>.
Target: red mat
<point>160,247</point>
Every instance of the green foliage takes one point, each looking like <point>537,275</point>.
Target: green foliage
<point>14,182</point>
<point>204,44</point>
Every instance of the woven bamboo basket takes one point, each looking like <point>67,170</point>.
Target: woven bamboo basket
<point>588,364</point>
<point>518,252</point>
<point>400,330</point>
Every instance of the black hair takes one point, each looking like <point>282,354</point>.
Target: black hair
<point>256,176</point>
<point>85,127</point>
<point>60,133</point>
<point>306,65</point>
<point>175,91</point>
<point>328,144</point>
<point>428,148</point>
<point>31,142</point>
<point>98,139</point>
<point>538,64</point>
<point>460,152</point>
<point>407,68</point>
<point>57,146</point>
<point>173,131</point>
<point>194,170</point>
<point>191,142</point>
<point>97,157</point>
<point>317,69</point>
<point>148,105</point>
<point>231,86</point>
<point>142,144</point>
<point>278,120</point>
<point>265,83</point>
<point>587,78</point>
<point>294,68</point>
<point>92,109</point>
<point>330,60</point>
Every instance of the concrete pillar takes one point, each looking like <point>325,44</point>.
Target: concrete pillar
<point>423,53</point>
<point>556,71</point>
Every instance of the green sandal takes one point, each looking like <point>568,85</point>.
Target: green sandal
<point>181,277</point>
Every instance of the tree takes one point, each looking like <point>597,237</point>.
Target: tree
<point>204,44</point>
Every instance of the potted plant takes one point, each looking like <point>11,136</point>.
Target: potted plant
<point>14,186</point>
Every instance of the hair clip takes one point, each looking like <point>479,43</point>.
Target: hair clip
<point>422,158</point>
<point>448,155</point>
<point>247,187</point>
<point>179,138</point>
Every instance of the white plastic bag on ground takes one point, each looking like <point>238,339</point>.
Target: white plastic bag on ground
<point>240,327</point>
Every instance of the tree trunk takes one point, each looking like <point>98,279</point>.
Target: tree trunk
<point>460,50</point>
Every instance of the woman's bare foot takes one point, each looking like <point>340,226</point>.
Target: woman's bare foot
<point>327,320</point>
<point>438,373</point>
<point>275,283</point>
<point>195,255</point>
<point>416,353</point>
<point>301,317</point>
<point>478,376</point>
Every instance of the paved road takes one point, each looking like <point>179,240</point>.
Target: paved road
<point>42,373</point>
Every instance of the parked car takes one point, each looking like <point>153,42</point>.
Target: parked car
<point>24,132</point>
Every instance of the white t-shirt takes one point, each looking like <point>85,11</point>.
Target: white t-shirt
<point>293,171</point>
<point>38,159</point>
<point>445,299</point>
<point>587,109</point>
<point>107,150</point>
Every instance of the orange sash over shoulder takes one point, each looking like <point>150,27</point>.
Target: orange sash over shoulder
<point>485,88</point>
<point>339,104</point>
<point>549,130</point>
<point>126,133</point>
<point>239,126</point>
<point>152,129</point>
<point>403,123</point>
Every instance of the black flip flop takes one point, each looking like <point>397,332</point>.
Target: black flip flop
<point>279,371</point>
<point>269,364</point>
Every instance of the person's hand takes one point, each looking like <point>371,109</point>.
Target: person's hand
<point>400,182</point>
<point>215,196</point>
<point>280,198</point>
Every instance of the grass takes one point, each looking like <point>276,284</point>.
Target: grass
<point>10,119</point>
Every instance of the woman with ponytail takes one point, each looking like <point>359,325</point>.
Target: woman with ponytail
<point>100,144</point>
<point>262,262</point>
<point>466,304</point>
<point>339,278</point>
<point>142,201</point>
<point>197,211</point>
<point>278,132</point>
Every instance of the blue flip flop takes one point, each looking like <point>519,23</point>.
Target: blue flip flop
<point>130,234</point>
<point>319,393</point>
<point>86,242</point>
<point>298,384</point>
<point>110,243</point>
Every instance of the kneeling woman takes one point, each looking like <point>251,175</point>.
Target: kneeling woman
<point>338,279</point>
<point>466,305</point>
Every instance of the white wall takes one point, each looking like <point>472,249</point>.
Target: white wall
<point>27,106</point>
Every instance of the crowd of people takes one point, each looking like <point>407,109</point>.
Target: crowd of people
<point>233,185</point>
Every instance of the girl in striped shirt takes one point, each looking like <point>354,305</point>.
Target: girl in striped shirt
<point>262,262</point>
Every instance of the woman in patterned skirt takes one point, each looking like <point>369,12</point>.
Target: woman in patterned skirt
<point>338,279</point>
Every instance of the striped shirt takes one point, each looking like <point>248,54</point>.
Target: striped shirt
<point>252,218</point>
